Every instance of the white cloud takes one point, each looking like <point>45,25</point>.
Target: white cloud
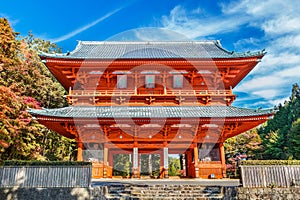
<point>259,83</point>
<point>190,25</point>
<point>277,101</point>
<point>282,25</point>
<point>148,34</point>
<point>267,94</point>
<point>278,20</point>
<point>293,72</point>
<point>80,30</point>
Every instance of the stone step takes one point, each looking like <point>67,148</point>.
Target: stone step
<point>173,196</point>
<point>135,192</point>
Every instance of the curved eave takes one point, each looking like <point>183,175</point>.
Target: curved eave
<point>70,58</point>
<point>216,113</point>
<point>151,50</point>
<point>245,65</point>
<point>56,126</point>
<point>55,120</point>
<point>147,120</point>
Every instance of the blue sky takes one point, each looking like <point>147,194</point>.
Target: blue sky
<point>241,25</point>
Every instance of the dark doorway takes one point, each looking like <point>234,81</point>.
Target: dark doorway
<point>122,165</point>
<point>150,165</point>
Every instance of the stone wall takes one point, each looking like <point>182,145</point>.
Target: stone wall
<point>59,193</point>
<point>150,192</point>
<point>290,193</point>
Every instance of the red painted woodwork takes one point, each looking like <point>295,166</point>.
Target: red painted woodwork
<point>160,82</point>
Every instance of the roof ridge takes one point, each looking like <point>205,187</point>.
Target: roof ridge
<point>168,49</point>
<point>149,42</point>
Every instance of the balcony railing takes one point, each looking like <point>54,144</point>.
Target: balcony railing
<point>157,93</point>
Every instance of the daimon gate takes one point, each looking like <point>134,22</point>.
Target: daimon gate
<point>151,98</point>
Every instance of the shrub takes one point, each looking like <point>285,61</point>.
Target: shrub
<point>45,163</point>
<point>270,162</point>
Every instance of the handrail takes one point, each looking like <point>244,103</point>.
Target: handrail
<point>135,93</point>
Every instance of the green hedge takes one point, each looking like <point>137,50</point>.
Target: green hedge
<point>270,162</point>
<point>45,163</point>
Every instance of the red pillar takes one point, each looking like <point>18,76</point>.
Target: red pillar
<point>190,167</point>
<point>79,151</point>
<point>196,159</point>
<point>110,159</point>
<point>223,161</point>
<point>166,162</point>
<point>161,164</point>
<point>105,161</point>
<point>135,162</point>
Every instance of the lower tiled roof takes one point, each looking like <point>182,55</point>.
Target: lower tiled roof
<point>149,112</point>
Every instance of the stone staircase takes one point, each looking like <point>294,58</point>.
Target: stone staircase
<point>146,192</point>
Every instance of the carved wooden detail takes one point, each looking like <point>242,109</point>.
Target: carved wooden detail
<point>206,99</point>
<point>228,129</point>
<point>120,100</point>
<point>82,77</point>
<point>179,99</point>
<point>211,85</point>
<point>150,100</point>
<point>108,77</point>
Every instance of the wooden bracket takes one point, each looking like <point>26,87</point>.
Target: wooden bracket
<point>120,100</point>
<point>180,99</point>
<point>150,100</point>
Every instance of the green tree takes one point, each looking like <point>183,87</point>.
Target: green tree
<point>248,143</point>
<point>294,140</point>
<point>22,70</point>
<point>40,45</point>
<point>276,134</point>
<point>150,164</point>
<point>122,165</point>
<point>174,167</point>
<point>25,82</point>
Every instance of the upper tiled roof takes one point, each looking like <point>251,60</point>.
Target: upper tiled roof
<point>149,50</point>
<point>149,112</point>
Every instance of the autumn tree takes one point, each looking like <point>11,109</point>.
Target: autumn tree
<point>248,143</point>
<point>18,132</point>
<point>278,138</point>
<point>25,82</point>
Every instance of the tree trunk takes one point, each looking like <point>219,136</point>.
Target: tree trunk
<point>150,164</point>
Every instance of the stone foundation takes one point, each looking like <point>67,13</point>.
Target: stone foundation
<point>17,193</point>
<point>291,193</point>
<point>163,192</point>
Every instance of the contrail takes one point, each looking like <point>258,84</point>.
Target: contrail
<point>77,31</point>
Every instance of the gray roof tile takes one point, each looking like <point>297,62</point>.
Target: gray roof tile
<point>149,112</point>
<point>148,50</point>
